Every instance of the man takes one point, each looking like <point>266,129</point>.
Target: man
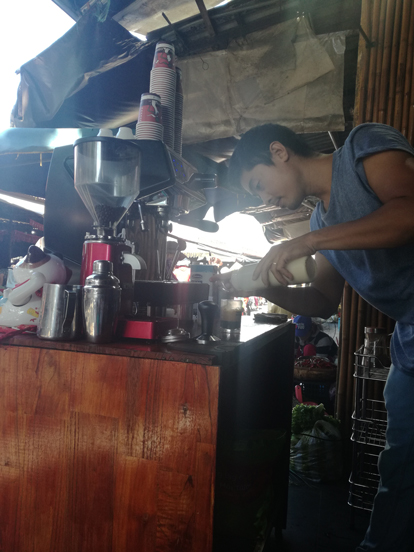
<point>362,230</point>
<point>311,341</point>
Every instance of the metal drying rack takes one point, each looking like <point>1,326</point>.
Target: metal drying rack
<point>368,431</point>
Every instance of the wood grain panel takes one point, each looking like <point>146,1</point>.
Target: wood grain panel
<point>204,498</point>
<point>206,404</point>
<point>105,453</point>
<point>92,447</point>
<point>174,420</point>
<point>170,406</point>
<point>8,379</point>
<point>98,384</point>
<point>44,384</point>
<point>42,485</point>
<point>135,510</point>
<point>11,455</point>
<point>175,524</point>
<point>9,501</point>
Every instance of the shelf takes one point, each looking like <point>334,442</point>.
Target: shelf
<point>361,496</point>
<point>369,367</point>
<point>368,432</point>
<point>363,480</point>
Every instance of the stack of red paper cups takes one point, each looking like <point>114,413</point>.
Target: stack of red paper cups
<point>149,125</point>
<point>178,116</point>
<point>163,82</point>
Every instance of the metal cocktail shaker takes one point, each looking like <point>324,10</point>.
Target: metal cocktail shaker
<point>101,303</point>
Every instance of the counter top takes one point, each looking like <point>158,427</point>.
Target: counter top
<point>252,337</point>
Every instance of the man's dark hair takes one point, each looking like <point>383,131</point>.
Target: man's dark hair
<point>253,149</point>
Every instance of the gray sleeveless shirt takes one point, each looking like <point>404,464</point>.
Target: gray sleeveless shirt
<point>383,277</point>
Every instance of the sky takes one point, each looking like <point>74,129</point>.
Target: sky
<point>27,27</point>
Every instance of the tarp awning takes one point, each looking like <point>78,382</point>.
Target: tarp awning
<point>94,76</point>
<point>284,74</point>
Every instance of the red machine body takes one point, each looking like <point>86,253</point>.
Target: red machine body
<point>109,249</point>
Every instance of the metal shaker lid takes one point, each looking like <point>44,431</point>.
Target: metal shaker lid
<point>102,275</point>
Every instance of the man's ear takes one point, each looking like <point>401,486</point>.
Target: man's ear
<point>279,152</point>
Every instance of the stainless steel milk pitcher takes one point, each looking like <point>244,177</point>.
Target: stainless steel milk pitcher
<point>101,303</point>
<point>60,317</point>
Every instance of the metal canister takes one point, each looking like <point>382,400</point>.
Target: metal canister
<point>101,303</point>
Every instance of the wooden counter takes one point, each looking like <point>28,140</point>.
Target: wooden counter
<point>113,448</point>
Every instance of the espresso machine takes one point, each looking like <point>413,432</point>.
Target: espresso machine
<point>110,175</point>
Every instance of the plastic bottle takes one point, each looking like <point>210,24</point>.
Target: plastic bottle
<point>303,271</point>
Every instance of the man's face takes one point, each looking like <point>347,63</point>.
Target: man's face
<point>277,184</point>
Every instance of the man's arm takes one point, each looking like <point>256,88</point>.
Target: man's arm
<point>391,176</point>
<point>320,299</point>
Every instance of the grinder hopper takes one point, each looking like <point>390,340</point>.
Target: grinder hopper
<point>107,178</point>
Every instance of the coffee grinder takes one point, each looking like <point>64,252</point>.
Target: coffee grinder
<point>107,178</point>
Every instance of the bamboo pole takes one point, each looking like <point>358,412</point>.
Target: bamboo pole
<point>362,64</point>
<point>362,311</point>
<point>410,134</point>
<point>374,318</point>
<point>394,61</point>
<point>402,62</point>
<point>409,75</point>
<point>380,55</point>
<point>349,403</point>
<point>386,61</point>
<point>385,92</point>
<point>372,62</point>
<point>411,114</point>
<point>341,391</point>
<point>368,315</point>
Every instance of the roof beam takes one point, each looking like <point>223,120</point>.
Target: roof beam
<point>206,18</point>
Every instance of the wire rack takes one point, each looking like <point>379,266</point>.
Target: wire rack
<point>369,409</point>
<point>369,366</point>
<point>368,431</point>
<point>363,481</point>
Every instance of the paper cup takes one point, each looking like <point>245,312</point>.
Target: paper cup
<point>150,108</point>
<point>164,55</point>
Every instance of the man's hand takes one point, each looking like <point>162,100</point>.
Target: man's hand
<point>279,256</point>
